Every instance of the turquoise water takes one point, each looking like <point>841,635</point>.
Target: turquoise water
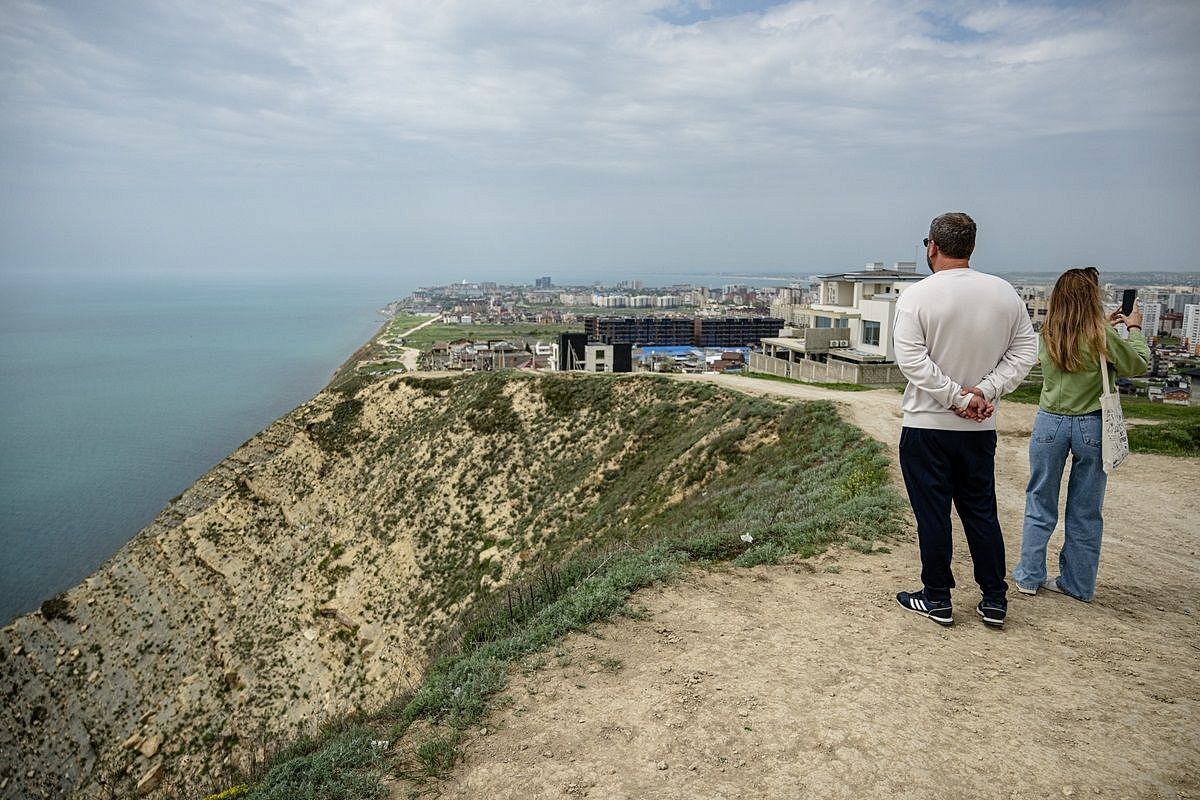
<point>117,394</point>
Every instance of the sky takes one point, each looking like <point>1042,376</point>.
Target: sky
<point>494,139</point>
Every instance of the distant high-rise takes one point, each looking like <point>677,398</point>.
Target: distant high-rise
<point>1191,325</point>
<point>542,283</point>
<point>1151,318</point>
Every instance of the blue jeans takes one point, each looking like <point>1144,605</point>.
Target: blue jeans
<point>1054,437</point>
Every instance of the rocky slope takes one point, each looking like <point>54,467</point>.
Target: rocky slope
<point>317,568</point>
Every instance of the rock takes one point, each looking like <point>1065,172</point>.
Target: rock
<point>330,612</point>
<point>151,780</point>
<point>146,718</point>
<point>131,742</point>
<point>151,745</point>
<point>661,765</point>
<point>1068,791</point>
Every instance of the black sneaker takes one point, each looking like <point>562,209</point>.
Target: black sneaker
<point>940,611</point>
<point>993,612</point>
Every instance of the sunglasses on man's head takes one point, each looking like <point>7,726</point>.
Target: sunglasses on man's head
<point>925,242</point>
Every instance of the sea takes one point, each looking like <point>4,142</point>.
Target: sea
<point>116,394</point>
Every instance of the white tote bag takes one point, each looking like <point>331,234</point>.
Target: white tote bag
<point>1114,438</point>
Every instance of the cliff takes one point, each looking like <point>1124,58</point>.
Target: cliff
<point>317,568</point>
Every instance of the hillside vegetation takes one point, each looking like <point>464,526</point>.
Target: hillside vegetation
<point>319,568</point>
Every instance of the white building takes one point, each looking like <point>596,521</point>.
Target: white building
<point>666,301</point>
<point>846,335</point>
<point>598,357</point>
<point>1151,318</point>
<point>864,302</point>
<point>1191,325</point>
<point>610,300</point>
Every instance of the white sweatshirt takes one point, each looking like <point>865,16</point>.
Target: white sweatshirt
<point>957,328</point>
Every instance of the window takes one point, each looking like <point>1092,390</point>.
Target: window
<point>599,355</point>
<point>823,322</point>
<point>870,332</point>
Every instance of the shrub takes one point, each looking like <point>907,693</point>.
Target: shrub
<point>57,607</point>
<point>348,767</point>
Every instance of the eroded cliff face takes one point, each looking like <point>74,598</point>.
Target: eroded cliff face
<point>313,570</point>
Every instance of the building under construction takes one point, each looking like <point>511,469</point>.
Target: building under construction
<point>682,331</point>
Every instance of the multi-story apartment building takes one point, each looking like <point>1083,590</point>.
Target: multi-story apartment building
<point>790,305</point>
<point>662,331</point>
<point>734,331</point>
<point>1037,299</point>
<point>1178,301</point>
<point>1191,326</point>
<point>681,331</point>
<point>610,300</point>
<point>1151,318</point>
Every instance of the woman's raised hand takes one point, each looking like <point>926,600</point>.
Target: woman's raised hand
<point>1134,318</point>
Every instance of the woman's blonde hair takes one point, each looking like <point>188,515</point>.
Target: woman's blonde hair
<point>1073,332</point>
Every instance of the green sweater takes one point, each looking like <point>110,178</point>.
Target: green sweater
<point>1077,393</point>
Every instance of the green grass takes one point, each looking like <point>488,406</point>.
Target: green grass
<point>344,766</point>
<point>1028,393</point>
<point>1173,438</point>
<point>1133,407</point>
<point>403,322</point>
<point>814,482</point>
<point>841,387</point>
<point>1139,408</point>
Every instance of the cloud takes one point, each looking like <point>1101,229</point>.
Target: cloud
<point>595,86</point>
<point>634,130</point>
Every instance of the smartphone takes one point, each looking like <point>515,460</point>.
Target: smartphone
<point>1128,298</point>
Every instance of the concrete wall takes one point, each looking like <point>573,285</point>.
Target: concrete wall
<point>816,340</point>
<point>833,371</point>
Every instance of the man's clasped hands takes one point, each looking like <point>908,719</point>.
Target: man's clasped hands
<point>976,408</point>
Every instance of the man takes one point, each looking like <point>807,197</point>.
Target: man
<point>962,340</point>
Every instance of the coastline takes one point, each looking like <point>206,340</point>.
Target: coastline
<point>120,433</point>
<point>347,367</point>
<point>75,664</point>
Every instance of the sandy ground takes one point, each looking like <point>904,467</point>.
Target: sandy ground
<point>806,680</point>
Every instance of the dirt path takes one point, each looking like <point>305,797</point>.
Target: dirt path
<point>807,680</point>
<point>408,355</point>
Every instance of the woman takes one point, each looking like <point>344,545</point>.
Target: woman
<point>1076,338</point>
